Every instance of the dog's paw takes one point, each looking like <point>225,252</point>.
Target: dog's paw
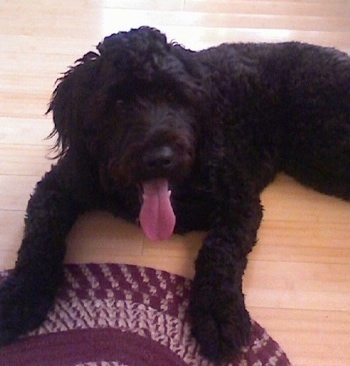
<point>221,332</point>
<point>21,309</point>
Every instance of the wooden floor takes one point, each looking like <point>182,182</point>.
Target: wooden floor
<point>298,281</point>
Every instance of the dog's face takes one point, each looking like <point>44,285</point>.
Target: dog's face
<point>154,136</point>
<point>134,109</point>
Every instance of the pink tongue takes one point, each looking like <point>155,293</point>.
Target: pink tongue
<point>157,216</point>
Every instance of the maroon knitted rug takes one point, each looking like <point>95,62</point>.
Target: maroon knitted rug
<point>123,315</point>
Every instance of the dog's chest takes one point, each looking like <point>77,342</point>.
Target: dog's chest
<point>193,209</point>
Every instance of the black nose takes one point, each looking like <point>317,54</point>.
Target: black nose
<point>159,159</point>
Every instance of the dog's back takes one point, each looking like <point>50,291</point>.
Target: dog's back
<point>301,94</point>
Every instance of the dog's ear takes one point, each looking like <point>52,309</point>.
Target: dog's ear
<point>82,93</point>
<point>69,101</point>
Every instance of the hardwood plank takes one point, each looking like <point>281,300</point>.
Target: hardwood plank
<point>286,8</point>
<point>291,285</point>
<point>311,337</point>
<point>286,200</point>
<point>25,159</point>
<point>11,227</point>
<point>224,20</point>
<point>15,191</point>
<point>25,131</point>
<point>303,241</point>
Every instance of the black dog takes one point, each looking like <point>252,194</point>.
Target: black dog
<point>173,138</point>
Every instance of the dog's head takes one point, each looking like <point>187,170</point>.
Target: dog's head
<point>133,106</point>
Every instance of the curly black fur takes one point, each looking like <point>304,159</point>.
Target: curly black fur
<point>218,125</point>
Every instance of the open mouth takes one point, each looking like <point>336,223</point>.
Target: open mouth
<point>157,216</point>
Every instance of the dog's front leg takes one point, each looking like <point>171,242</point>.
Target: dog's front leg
<point>220,321</point>
<point>29,292</point>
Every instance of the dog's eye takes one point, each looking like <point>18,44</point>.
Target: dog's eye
<point>120,106</point>
<point>169,96</point>
<point>120,103</point>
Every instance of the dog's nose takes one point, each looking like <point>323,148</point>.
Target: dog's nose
<point>159,159</point>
